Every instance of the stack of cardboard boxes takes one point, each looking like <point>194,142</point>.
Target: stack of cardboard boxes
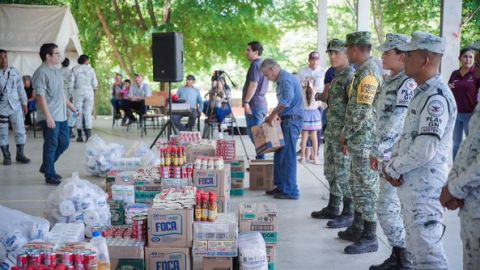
<point>218,181</point>
<point>169,239</point>
<point>261,175</point>
<point>263,218</point>
<point>237,168</point>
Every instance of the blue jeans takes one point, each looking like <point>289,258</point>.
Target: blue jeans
<point>285,161</point>
<point>255,119</point>
<point>461,125</point>
<point>55,142</point>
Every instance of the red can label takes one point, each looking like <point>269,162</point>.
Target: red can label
<point>22,260</point>
<point>67,258</point>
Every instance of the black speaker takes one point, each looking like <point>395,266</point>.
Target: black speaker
<point>167,55</point>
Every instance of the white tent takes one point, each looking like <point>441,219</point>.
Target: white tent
<point>24,28</point>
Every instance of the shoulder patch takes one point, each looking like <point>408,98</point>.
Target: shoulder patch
<point>436,108</point>
<point>405,93</point>
<point>434,117</point>
<point>366,90</point>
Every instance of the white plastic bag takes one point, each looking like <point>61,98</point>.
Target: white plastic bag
<point>252,251</point>
<point>149,157</point>
<point>99,155</point>
<point>78,201</point>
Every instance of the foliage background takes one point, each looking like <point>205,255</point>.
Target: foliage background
<point>116,34</point>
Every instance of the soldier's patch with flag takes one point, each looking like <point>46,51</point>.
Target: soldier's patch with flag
<point>366,90</point>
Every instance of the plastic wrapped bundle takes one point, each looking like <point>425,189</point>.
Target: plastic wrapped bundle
<point>252,252</point>
<point>17,229</point>
<point>78,201</point>
<point>148,157</point>
<point>100,155</point>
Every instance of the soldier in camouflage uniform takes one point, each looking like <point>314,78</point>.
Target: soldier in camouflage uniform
<point>357,140</point>
<point>68,86</point>
<point>392,106</point>
<point>85,83</point>
<point>13,105</point>
<point>337,167</point>
<point>463,190</point>
<point>419,163</point>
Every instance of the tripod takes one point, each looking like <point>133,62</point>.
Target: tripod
<point>169,126</point>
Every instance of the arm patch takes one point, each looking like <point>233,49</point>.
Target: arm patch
<point>405,93</point>
<point>366,90</point>
<point>434,117</point>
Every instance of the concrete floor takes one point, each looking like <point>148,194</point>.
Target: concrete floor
<point>304,243</point>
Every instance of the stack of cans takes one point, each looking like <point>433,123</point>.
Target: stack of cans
<point>226,149</point>
<point>42,259</point>
<point>139,230</point>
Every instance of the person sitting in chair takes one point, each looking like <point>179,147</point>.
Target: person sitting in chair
<point>135,100</point>
<point>192,96</point>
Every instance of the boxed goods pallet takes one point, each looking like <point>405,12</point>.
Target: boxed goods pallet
<point>237,168</point>
<point>216,180</point>
<point>261,217</point>
<point>126,253</point>
<point>168,258</point>
<point>261,175</point>
<point>217,238</point>
<point>217,263</point>
<point>268,138</point>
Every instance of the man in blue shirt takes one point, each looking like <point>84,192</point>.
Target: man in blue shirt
<point>290,112</point>
<point>192,96</point>
<point>254,90</point>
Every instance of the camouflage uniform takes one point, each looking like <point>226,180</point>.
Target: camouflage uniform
<point>420,158</point>
<point>85,81</point>
<point>68,86</point>
<point>392,106</point>
<point>337,166</point>
<point>359,131</point>
<point>464,183</point>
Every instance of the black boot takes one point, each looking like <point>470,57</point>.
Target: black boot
<point>88,134</point>
<point>346,218</point>
<point>72,133</point>
<point>79,137</point>
<point>354,231</point>
<point>331,211</point>
<point>399,259</point>
<point>405,259</point>
<point>20,155</point>
<point>368,241</point>
<point>7,160</point>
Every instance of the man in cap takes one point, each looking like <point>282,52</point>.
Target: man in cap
<point>337,169</point>
<point>392,106</point>
<point>290,112</point>
<point>357,139</point>
<point>13,105</point>
<point>419,162</point>
<point>191,94</point>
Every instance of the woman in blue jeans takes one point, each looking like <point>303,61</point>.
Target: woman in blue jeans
<point>464,84</point>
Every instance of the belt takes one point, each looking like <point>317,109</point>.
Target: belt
<point>291,117</point>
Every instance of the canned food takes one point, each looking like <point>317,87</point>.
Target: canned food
<point>49,258</point>
<point>34,259</point>
<point>22,260</point>
<point>67,258</point>
<point>90,260</point>
<point>78,258</point>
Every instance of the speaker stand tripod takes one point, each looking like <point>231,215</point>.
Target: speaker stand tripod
<point>169,126</point>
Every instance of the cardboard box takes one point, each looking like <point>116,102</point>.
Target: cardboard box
<point>237,165</point>
<point>218,181</point>
<point>203,149</point>
<point>217,263</point>
<point>124,248</point>
<point>224,203</point>
<point>170,228</point>
<point>168,258</point>
<point>237,184</point>
<point>127,264</point>
<point>237,192</point>
<point>261,175</point>
<point>125,193</point>
<point>272,266</point>
<point>215,248</point>
<point>268,138</point>
<point>117,211</point>
<point>109,181</point>
<point>271,253</point>
<point>260,217</point>
<point>146,191</point>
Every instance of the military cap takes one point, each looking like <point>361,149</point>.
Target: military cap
<point>336,45</point>
<point>476,45</point>
<point>393,41</point>
<point>424,41</point>
<point>359,38</point>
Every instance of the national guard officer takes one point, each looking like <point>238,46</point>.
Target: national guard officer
<point>13,105</point>
<point>85,83</point>
<point>357,139</point>
<point>337,165</point>
<point>419,162</point>
<point>392,106</point>
<point>68,87</point>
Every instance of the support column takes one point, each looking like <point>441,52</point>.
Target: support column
<point>363,15</point>
<point>450,22</point>
<point>322,30</point>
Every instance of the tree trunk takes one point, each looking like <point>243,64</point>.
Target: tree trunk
<point>127,56</point>
<point>378,19</point>
<point>142,23</point>
<point>166,12</point>
<point>151,12</point>
<point>111,41</point>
